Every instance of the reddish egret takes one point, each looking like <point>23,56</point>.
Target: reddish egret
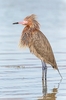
<point>37,42</point>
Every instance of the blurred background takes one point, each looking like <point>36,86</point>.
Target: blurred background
<point>18,65</point>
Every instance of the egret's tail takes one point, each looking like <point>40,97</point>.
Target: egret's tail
<point>57,70</point>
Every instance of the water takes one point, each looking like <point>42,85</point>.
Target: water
<point>20,71</point>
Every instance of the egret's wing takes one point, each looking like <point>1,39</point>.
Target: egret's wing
<point>43,48</point>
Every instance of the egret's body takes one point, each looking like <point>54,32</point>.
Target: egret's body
<point>38,44</point>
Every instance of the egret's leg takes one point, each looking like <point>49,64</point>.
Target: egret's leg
<point>44,70</point>
<point>46,79</point>
<point>45,73</point>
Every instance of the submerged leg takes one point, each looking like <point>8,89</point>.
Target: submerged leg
<point>44,70</point>
<point>44,78</point>
<point>44,87</point>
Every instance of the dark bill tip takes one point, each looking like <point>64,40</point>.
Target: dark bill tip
<point>16,23</point>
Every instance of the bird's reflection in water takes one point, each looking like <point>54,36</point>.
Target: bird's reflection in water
<point>46,95</point>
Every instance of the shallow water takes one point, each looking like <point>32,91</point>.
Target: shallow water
<point>20,71</point>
